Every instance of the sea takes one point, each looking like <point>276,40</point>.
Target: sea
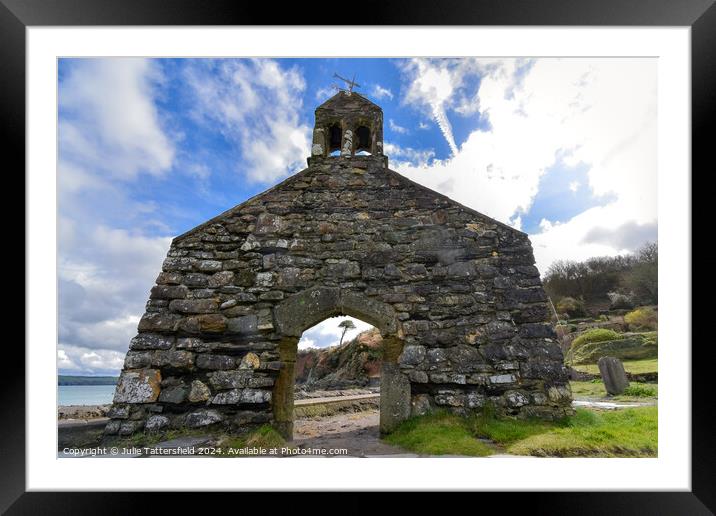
<point>85,394</point>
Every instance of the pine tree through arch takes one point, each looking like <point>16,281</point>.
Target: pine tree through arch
<point>346,325</point>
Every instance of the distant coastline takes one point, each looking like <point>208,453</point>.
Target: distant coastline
<point>86,380</point>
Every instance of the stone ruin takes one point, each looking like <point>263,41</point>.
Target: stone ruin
<point>455,294</point>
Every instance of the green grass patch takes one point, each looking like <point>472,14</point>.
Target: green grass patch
<point>640,390</point>
<point>439,433</point>
<point>591,389</point>
<point>648,365</point>
<point>619,433</point>
<point>507,431</point>
<point>265,436</point>
<point>594,389</point>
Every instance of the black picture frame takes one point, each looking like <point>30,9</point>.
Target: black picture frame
<point>700,15</point>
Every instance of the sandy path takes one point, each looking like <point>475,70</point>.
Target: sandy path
<point>357,432</point>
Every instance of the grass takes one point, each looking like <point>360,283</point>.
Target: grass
<point>621,433</point>
<point>647,365</point>
<point>439,433</point>
<point>595,389</point>
<point>265,437</point>
<point>640,390</point>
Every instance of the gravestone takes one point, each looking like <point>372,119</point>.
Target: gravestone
<point>613,375</point>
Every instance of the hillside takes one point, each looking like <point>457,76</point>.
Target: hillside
<point>86,380</point>
<point>355,363</point>
<point>604,283</point>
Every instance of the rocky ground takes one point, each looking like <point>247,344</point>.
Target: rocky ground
<point>81,412</point>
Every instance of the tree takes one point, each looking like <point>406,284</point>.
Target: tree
<point>346,324</point>
<point>643,279</point>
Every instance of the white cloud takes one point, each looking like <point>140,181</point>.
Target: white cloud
<point>108,117</point>
<point>406,156</point>
<point>571,240</point>
<point>77,359</point>
<point>256,104</point>
<point>104,281</point>
<point>306,343</point>
<point>328,333</point>
<point>325,93</point>
<point>379,92</point>
<point>397,128</point>
<point>574,186</point>
<point>435,87</point>
<point>516,222</point>
<point>65,362</point>
<point>600,112</point>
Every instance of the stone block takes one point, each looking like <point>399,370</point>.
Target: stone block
<point>250,361</point>
<point>156,423</point>
<point>211,361</point>
<point>243,325</point>
<point>137,359</point>
<point>420,405</point>
<point>230,397</point>
<point>229,379</point>
<point>198,392</point>
<point>168,292</point>
<point>209,265</point>
<point>138,386</point>
<point>202,418</point>
<point>193,306</point>
<point>412,355</point>
<point>175,394</point>
<point>159,321</point>
<point>172,358</point>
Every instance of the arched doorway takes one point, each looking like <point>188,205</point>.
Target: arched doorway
<point>305,309</point>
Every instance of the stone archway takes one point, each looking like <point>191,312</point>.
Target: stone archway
<point>309,307</point>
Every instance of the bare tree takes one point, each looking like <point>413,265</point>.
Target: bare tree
<point>643,279</point>
<point>346,324</point>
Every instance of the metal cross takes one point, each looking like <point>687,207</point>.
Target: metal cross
<point>351,83</point>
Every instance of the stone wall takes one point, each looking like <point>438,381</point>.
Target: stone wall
<point>456,294</point>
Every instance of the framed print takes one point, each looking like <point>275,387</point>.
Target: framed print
<point>429,237</point>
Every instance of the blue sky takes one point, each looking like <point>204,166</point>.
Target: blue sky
<point>564,149</point>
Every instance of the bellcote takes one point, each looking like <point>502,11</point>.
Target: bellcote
<point>348,125</point>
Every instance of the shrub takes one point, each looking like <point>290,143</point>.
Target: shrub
<point>618,300</point>
<point>651,338</point>
<point>595,335</point>
<point>570,306</point>
<point>633,347</point>
<point>639,390</point>
<point>644,318</point>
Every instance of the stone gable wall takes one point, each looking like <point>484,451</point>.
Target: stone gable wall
<point>467,303</point>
